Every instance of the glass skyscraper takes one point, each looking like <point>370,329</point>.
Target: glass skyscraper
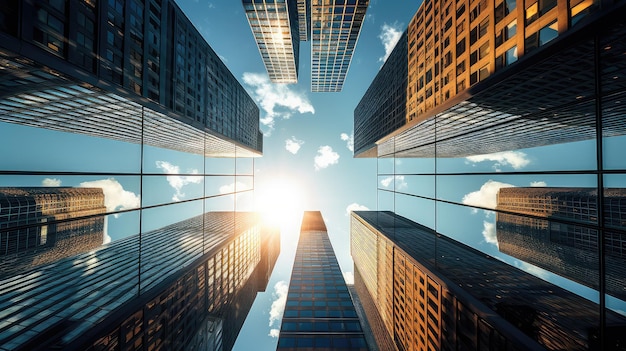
<point>127,224</point>
<point>460,297</point>
<point>319,312</point>
<point>498,129</point>
<point>333,27</point>
<point>275,26</point>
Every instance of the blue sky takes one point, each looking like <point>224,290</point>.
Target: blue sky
<point>307,137</point>
<point>308,157</point>
<point>307,162</point>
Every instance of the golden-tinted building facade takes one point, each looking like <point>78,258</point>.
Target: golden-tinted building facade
<point>452,46</point>
<point>435,293</point>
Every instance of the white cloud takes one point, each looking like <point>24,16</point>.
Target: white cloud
<point>274,333</point>
<point>539,184</point>
<point>400,183</point>
<point>106,238</point>
<point>115,197</point>
<point>486,196</point>
<point>529,268</point>
<point>293,145</point>
<point>489,233</point>
<point>389,35</point>
<point>177,181</point>
<point>355,207</point>
<point>51,182</point>
<point>515,159</point>
<point>278,305</point>
<point>277,100</point>
<point>348,277</point>
<point>230,188</point>
<point>325,157</point>
<point>349,139</point>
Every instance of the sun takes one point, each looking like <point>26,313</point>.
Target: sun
<point>280,201</point>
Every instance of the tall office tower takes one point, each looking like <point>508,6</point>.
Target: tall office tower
<point>432,292</point>
<point>555,238</point>
<point>304,19</point>
<point>275,26</point>
<point>186,297</point>
<point>482,96</point>
<point>332,26</point>
<point>335,27</point>
<point>488,68</point>
<point>126,96</point>
<point>102,67</point>
<point>41,225</point>
<point>319,312</point>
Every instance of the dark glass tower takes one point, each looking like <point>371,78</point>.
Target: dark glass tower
<point>127,98</point>
<point>199,307</point>
<point>319,313</point>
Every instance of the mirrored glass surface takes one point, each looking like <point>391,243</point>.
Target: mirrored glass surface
<point>219,165</point>
<point>40,149</point>
<point>219,185</point>
<point>172,188</point>
<point>417,209</point>
<point>171,238</point>
<point>573,195</point>
<point>385,200</point>
<point>385,165</point>
<point>244,201</point>
<point>245,165</point>
<point>415,165</point>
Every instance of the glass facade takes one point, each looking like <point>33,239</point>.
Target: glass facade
<point>319,312</point>
<point>509,150</point>
<point>126,192</point>
<point>276,29</point>
<point>335,28</point>
<point>332,26</point>
<point>462,297</point>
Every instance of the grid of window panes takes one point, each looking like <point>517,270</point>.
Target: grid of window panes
<point>448,300</point>
<point>319,312</point>
<point>335,27</point>
<point>304,19</point>
<point>162,186</point>
<point>454,45</point>
<point>145,50</point>
<point>275,30</point>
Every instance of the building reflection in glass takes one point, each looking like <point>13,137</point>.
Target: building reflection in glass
<point>40,225</point>
<point>96,300</point>
<point>430,289</point>
<point>550,232</point>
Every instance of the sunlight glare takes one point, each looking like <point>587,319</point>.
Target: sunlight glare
<point>280,202</point>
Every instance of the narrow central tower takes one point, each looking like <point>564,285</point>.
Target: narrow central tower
<point>320,313</point>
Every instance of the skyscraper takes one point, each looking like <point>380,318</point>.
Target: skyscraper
<point>446,56</point>
<point>127,98</point>
<point>433,292</point>
<point>47,224</point>
<point>551,240</point>
<point>275,28</point>
<point>332,26</point>
<point>92,300</point>
<point>319,312</point>
<point>128,60</point>
<point>477,97</point>
<point>335,29</point>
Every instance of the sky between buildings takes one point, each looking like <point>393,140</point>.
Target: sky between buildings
<point>307,161</point>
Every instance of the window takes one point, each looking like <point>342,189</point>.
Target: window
<point>460,48</point>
